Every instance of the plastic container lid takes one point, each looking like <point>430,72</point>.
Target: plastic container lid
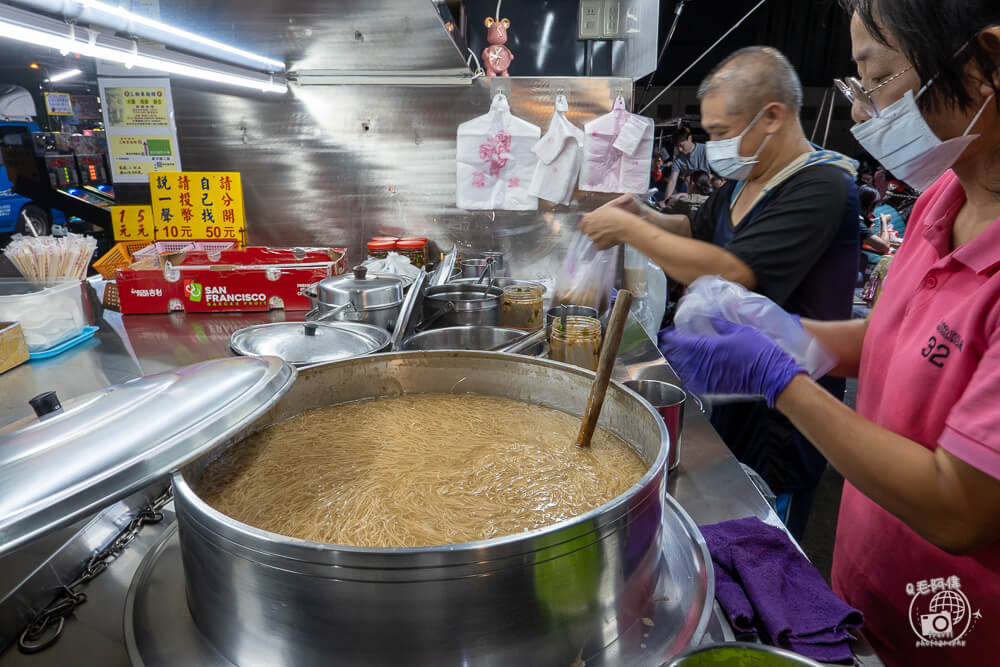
<point>378,239</point>
<point>411,243</point>
<point>304,343</point>
<point>105,445</point>
<point>381,245</point>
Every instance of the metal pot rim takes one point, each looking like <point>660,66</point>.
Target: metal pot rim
<point>613,509</point>
<point>331,306</point>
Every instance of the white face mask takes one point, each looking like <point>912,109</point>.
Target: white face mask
<point>725,159</point>
<point>901,141</point>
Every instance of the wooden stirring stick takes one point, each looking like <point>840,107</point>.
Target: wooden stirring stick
<point>606,364</point>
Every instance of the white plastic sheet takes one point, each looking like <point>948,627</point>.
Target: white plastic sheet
<point>713,296</point>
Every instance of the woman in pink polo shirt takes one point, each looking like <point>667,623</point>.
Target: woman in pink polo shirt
<point>918,540</point>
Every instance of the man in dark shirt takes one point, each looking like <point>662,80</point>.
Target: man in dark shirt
<point>786,229</point>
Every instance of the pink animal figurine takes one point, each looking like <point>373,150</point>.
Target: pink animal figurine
<point>496,56</point>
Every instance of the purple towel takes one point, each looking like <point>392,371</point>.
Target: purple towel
<point>765,585</point>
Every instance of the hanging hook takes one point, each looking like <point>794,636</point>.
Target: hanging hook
<point>478,72</point>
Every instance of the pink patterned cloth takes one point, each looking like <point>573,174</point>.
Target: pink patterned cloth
<point>617,152</point>
<point>495,162</point>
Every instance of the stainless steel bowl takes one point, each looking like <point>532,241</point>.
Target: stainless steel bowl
<point>741,654</point>
<point>545,597</point>
<point>470,338</point>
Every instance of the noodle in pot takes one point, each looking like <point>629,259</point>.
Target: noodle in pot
<point>418,470</point>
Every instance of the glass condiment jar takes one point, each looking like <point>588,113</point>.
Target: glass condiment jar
<point>415,249</point>
<point>380,249</point>
<point>521,307</point>
<point>578,344</point>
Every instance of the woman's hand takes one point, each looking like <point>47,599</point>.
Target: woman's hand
<point>740,360</point>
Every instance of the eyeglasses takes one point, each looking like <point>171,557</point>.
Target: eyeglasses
<point>852,89</point>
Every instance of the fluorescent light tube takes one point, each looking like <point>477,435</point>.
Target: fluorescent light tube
<point>270,63</point>
<point>42,31</point>
<point>68,74</point>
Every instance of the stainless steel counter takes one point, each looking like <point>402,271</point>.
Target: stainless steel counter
<point>710,484</point>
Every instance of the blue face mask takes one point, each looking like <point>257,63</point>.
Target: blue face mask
<point>901,141</point>
<point>725,159</point>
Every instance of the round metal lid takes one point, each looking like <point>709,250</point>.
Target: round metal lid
<point>305,343</point>
<point>362,291</point>
<point>95,449</point>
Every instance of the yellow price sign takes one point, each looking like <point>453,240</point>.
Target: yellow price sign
<point>198,206</point>
<point>133,223</point>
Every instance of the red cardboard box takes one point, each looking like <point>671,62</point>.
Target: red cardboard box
<point>252,279</point>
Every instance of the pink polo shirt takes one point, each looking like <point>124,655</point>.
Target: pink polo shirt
<point>930,371</point>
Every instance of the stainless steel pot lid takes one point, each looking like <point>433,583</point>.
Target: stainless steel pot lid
<point>362,291</point>
<point>305,343</point>
<point>98,448</point>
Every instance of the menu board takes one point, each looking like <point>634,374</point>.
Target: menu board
<point>139,122</point>
<point>198,205</point>
<point>58,104</point>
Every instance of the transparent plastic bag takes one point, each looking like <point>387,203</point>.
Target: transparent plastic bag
<point>587,276</point>
<point>713,296</point>
<point>394,264</point>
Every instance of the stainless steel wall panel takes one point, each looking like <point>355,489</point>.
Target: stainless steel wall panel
<point>339,164</point>
<point>322,34</point>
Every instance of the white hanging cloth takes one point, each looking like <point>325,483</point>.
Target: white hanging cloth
<point>559,153</point>
<point>617,152</point>
<point>495,162</point>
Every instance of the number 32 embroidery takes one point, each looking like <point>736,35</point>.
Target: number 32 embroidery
<point>935,353</point>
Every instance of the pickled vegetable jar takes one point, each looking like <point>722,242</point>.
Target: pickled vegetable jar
<point>578,344</point>
<point>521,307</point>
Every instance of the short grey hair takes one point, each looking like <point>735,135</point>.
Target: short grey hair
<point>752,78</point>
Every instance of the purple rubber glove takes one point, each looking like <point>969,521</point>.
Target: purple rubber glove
<point>740,360</point>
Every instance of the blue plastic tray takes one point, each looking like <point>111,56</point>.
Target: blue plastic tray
<point>85,335</point>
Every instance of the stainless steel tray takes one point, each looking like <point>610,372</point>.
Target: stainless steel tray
<point>159,631</point>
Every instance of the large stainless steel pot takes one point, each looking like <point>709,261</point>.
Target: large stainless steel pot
<point>546,597</point>
<point>451,305</point>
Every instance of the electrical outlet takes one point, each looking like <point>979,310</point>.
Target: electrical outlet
<point>591,13</point>
<point>612,19</point>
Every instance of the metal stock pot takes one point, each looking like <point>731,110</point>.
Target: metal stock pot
<point>452,305</point>
<point>357,297</point>
<point>552,596</point>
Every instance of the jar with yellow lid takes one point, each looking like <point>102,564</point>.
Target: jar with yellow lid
<point>521,307</point>
<point>578,344</point>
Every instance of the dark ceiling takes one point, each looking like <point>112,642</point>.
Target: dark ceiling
<point>812,33</point>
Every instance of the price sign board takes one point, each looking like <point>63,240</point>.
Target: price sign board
<point>198,205</point>
<point>133,223</point>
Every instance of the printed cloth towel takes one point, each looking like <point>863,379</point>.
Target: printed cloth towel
<point>767,586</point>
<point>617,152</point>
<point>495,162</point>
<point>559,153</point>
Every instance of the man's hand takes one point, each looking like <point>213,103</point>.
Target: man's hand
<point>629,203</point>
<point>608,225</point>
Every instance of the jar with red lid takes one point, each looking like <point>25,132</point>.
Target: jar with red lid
<point>380,249</point>
<point>414,248</point>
